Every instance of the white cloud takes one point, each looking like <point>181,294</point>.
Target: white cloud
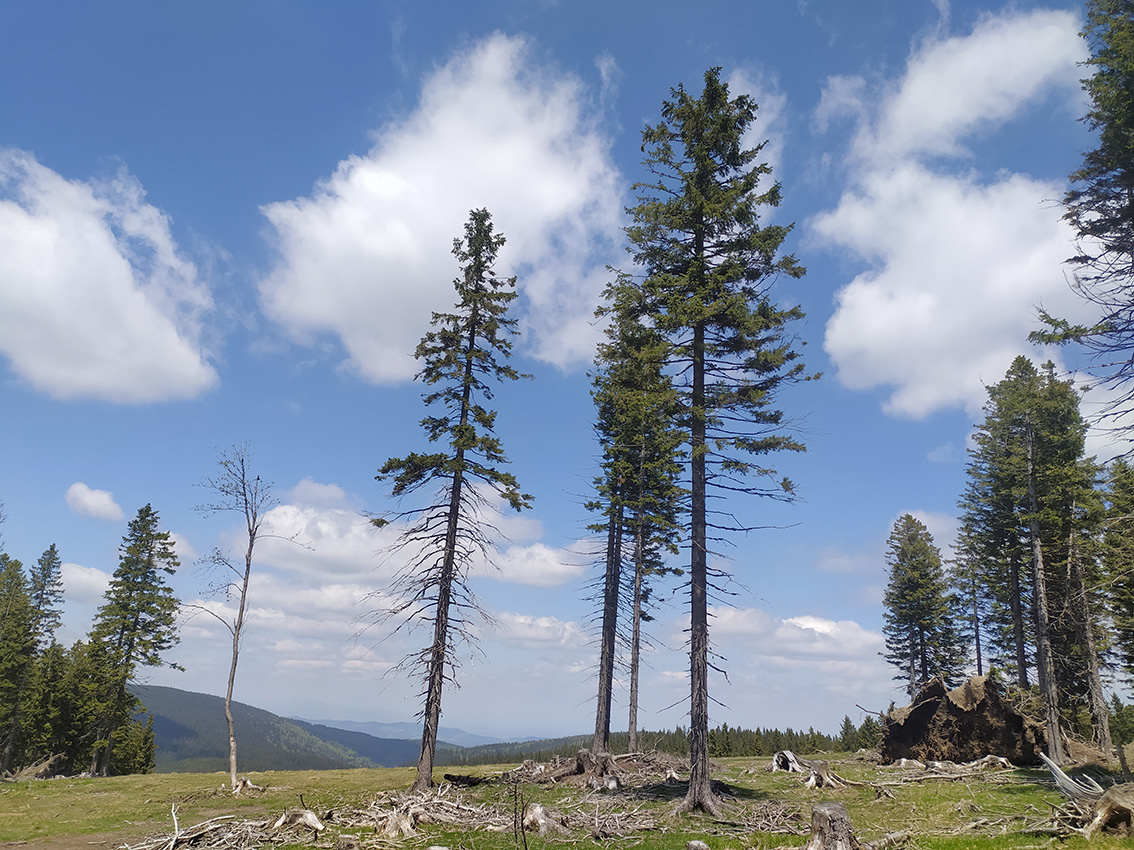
<point>366,257</point>
<point>537,565</point>
<point>956,87</point>
<point>322,541</point>
<point>536,631</point>
<point>957,261</point>
<point>96,301</point>
<point>87,501</point>
<point>313,494</point>
<point>84,585</point>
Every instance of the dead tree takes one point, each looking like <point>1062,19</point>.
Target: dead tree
<point>234,489</point>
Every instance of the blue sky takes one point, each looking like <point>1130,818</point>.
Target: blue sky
<point>229,222</point>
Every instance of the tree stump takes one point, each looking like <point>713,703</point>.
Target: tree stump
<point>831,828</point>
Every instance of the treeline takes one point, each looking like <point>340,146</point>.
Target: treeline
<point>724,741</point>
<point>1040,589</point>
<point>74,703</point>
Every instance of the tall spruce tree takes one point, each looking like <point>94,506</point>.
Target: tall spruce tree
<point>1100,203</point>
<point>133,628</point>
<point>1118,559</point>
<point>922,639</point>
<point>463,356</point>
<point>1029,481</point>
<point>17,653</point>
<point>47,595</point>
<point>708,268</point>
<point>638,491</point>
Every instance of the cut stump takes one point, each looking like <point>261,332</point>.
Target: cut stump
<point>831,828</point>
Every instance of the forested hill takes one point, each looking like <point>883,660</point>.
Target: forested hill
<point>192,736</point>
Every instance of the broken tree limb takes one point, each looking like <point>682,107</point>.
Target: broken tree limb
<point>1110,810</point>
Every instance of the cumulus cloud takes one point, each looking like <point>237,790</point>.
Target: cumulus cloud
<point>87,501</point>
<point>84,585</point>
<point>96,300</point>
<point>537,565</point>
<point>535,631</point>
<point>957,261</point>
<point>366,257</point>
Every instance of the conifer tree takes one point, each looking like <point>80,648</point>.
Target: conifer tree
<point>638,491</point>
<point>708,266</point>
<point>922,640</point>
<point>1100,203</point>
<point>134,627</point>
<point>1118,559</point>
<point>462,356</point>
<point>1029,483</point>
<point>47,595</point>
<point>17,652</point>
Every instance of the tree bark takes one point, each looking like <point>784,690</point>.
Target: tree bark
<point>1085,626</point>
<point>600,743</point>
<point>1045,667</point>
<point>1016,605</point>
<point>831,828</point>
<point>635,639</point>
<point>700,794</point>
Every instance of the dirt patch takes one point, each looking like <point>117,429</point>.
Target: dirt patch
<point>961,725</point>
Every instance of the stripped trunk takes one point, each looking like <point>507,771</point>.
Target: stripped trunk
<point>1045,667</point>
<point>600,743</point>
<point>1100,712</point>
<point>635,639</point>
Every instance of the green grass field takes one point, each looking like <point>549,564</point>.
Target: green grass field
<point>984,811</point>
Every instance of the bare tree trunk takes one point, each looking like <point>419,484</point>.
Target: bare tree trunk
<point>237,630</point>
<point>635,639</point>
<point>438,651</point>
<point>1085,626</point>
<point>700,794</point>
<point>1016,605</point>
<point>1045,667</point>
<point>600,743</point>
<point>976,626</point>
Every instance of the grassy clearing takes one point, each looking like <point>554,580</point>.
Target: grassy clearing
<point>80,813</point>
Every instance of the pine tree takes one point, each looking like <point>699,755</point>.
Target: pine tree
<point>708,267</point>
<point>466,349</point>
<point>47,595</point>
<point>1100,204</point>
<point>922,640</point>
<point>1118,559</point>
<point>638,491</point>
<point>1024,510</point>
<point>17,653</point>
<point>134,627</point>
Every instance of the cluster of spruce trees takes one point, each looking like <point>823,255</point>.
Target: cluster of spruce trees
<point>73,703</point>
<point>1040,589</point>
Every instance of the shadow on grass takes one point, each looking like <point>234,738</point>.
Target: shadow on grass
<point>674,791</point>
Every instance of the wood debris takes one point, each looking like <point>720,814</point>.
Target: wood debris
<point>1089,807</point>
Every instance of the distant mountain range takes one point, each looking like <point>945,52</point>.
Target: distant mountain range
<point>192,737</point>
<point>408,731</point>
